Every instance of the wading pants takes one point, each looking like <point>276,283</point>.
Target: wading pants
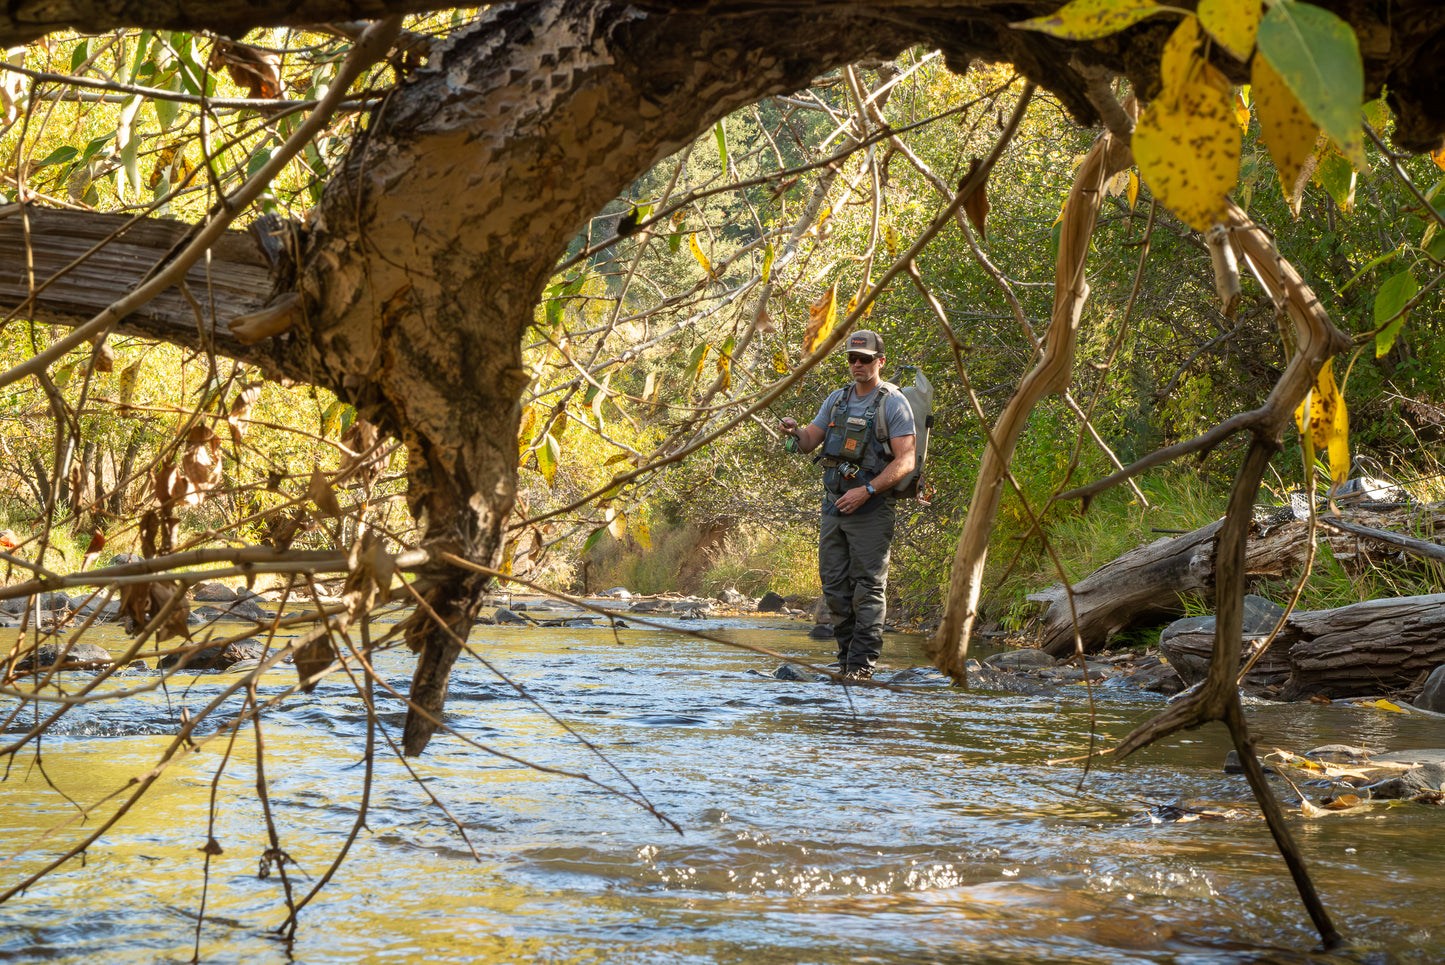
<point>853,565</point>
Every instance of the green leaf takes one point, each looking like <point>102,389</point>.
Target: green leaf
<point>1335,174</point>
<point>1390,301</point>
<point>721,134</point>
<point>1092,19</point>
<point>592,539</point>
<point>549,454</point>
<point>768,254</point>
<point>95,145</point>
<point>58,156</point>
<point>694,362</point>
<point>1318,57</point>
<point>1393,295</point>
<point>258,161</point>
<point>79,55</point>
<point>674,242</point>
<point>1372,263</point>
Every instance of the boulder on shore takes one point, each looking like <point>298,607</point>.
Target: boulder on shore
<point>772,603</point>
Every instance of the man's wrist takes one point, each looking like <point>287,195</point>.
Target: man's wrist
<point>870,489</point>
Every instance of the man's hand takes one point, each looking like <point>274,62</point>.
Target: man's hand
<point>852,499</point>
<point>808,436</point>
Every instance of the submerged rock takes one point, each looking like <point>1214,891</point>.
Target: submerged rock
<point>217,657</point>
<point>1026,659</point>
<point>46,654</point>
<point>793,672</point>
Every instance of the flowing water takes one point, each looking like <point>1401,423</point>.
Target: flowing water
<point>817,823</point>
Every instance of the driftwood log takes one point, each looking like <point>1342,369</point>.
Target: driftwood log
<point>1379,647</point>
<point>1149,583</point>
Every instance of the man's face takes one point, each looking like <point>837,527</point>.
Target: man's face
<point>864,367</point>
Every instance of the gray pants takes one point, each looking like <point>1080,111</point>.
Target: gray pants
<point>853,566</point>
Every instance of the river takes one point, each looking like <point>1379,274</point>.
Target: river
<point>819,823</point>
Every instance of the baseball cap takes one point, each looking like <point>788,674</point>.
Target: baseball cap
<point>865,341</point>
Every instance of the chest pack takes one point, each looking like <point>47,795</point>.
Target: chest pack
<point>855,447</point>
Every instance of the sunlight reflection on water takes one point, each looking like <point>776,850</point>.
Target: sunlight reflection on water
<point>819,824</point>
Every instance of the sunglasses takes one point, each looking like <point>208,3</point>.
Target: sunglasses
<point>857,358</point>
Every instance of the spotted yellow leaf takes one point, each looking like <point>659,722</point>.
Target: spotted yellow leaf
<point>1133,189</point>
<point>702,259</point>
<point>780,362</point>
<point>1187,148</point>
<point>1179,59</point>
<point>525,430</point>
<point>1285,127</point>
<point>1091,19</point>
<point>1232,23</point>
<point>822,316</point>
<point>1329,422</point>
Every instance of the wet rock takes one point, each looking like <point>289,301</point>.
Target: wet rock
<point>46,654</point>
<point>1432,697</point>
<point>1427,779</point>
<point>213,593</point>
<point>121,559</point>
<point>235,610</point>
<point>772,603</point>
<point>821,631</point>
<point>734,598</point>
<point>793,672</point>
<point>617,593</point>
<point>108,612</point>
<point>506,616</point>
<point>921,677</point>
<point>1339,753</point>
<point>248,664</point>
<point>987,678</point>
<point>1025,659</point>
<point>1232,765</point>
<point>1156,678</point>
<point>217,657</point>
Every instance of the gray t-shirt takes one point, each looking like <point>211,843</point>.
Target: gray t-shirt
<point>897,413</point>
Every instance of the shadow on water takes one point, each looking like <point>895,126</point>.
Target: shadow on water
<point>820,824</point>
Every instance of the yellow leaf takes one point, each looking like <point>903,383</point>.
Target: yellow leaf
<point>1179,59</point>
<point>1329,422</point>
<point>1232,23</point>
<point>1187,148</point>
<point>525,430</point>
<point>1439,157</point>
<point>702,259</point>
<point>617,526</point>
<point>768,262</point>
<point>1241,109</point>
<point>725,363</point>
<point>642,533</point>
<point>126,382</point>
<point>890,237</point>
<point>780,362</point>
<point>1091,19</point>
<point>822,315</point>
<point>649,389</point>
<point>1133,188</point>
<point>1285,127</point>
<point>1383,704</point>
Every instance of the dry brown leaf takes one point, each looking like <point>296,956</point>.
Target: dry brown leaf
<point>312,657</point>
<point>257,71</point>
<point>321,493</point>
<point>975,205</point>
<point>201,462</point>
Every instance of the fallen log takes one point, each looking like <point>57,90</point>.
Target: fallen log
<point>1149,583</point>
<point>1379,647</point>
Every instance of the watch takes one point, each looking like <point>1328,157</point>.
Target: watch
<point>871,490</point>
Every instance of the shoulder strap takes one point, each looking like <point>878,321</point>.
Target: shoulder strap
<point>880,404</point>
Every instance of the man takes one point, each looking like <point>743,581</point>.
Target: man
<point>867,433</point>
